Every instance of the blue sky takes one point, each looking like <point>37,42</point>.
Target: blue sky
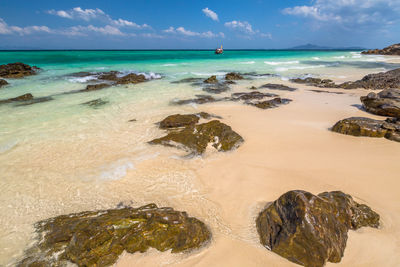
<point>176,24</point>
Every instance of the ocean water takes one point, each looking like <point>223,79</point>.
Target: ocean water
<point>61,156</point>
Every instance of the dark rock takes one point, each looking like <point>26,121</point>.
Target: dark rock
<point>97,238</point>
<point>273,103</point>
<point>133,120</point>
<point>229,82</point>
<point>359,126</point>
<point>131,78</point>
<point>189,80</point>
<point>323,91</point>
<point>278,87</point>
<point>212,79</point>
<point>95,87</point>
<point>253,88</point>
<point>112,77</point>
<point>35,100</point>
<point>96,103</point>
<point>326,83</point>
<point>385,103</point>
<point>311,230</point>
<point>390,50</point>
<point>17,70</point>
<point>233,76</point>
<point>24,97</point>
<point>3,82</point>
<point>216,88</point>
<point>81,74</point>
<point>250,95</point>
<point>178,120</point>
<point>200,99</point>
<point>196,138</point>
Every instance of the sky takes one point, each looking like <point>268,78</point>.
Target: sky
<point>190,24</point>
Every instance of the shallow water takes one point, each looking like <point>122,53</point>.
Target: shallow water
<point>60,156</point>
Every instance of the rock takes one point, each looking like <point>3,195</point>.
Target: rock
<point>216,88</point>
<point>385,103</point>
<point>311,230</point>
<point>250,95</point>
<point>133,120</point>
<point>326,83</point>
<point>95,103</point>
<point>131,78</point>
<point>35,100</point>
<point>229,82</point>
<point>390,50</point>
<point>253,88</point>
<point>359,126</point>
<point>17,70</point>
<point>95,87</point>
<point>24,97</point>
<point>196,138</point>
<point>212,79</point>
<point>278,87</point>
<point>323,91</point>
<point>3,82</point>
<point>81,74</point>
<point>178,120</point>
<point>112,77</point>
<point>273,103</point>
<point>97,238</point>
<point>233,76</point>
<point>189,80</point>
<point>200,99</point>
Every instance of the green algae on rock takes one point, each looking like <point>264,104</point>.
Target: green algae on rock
<point>359,126</point>
<point>97,238</point>
<point>310,230</point>
<point>196,138</point>
<point>179,120</point>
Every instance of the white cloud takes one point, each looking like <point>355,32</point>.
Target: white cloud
<point>84,30</point>
<point>266,35</point>
<point>6,29</point>
<point>209,13</point>
<point>185,32</point>
<point>240,26</point>
<point>127,23</point>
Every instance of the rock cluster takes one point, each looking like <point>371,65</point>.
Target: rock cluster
<point>390,50</point>
<point>382,80</point>
<point>233,76</point>
<point>311,230</point>
<point>17,70</point>
<point>97,238</point>
<point>195,138</point>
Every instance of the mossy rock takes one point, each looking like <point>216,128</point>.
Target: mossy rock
<point>233,76</point>
<point>178,120</point>
<point>196,138</point>
<point>273,103</point>
<point>97,238</point>
<point>311,230</point>
<point>211,79</point>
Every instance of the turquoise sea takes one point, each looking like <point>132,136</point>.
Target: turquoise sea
<point>61,156</point>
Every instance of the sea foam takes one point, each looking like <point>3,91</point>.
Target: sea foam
<point>274,63</point>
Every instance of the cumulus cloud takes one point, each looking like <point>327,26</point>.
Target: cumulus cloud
<point>349,13</point>
<point>242,26</point>
<point>182,31</point>
<point>209,13</point>
<point>6,29</point>
<point>95,14</point>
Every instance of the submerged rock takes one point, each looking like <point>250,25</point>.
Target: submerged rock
<point>311,230</point>
<point>196,138</point>
<point>24,97</point>
<point>96,103</point>
<point>359,126</point>
<point>273,103</point>
<point>17,70</point>
<point>390,50</point>
<point>95,87</point>
<point>233,76</point>
<point>216,88</point>
<point>189,80</point>
<point>323,91</point>
<point>211,79</point>
<point>178,120</point>
<point>385,103</point>
<point>250,95</point>
<point>97,238</point>
<point>35,100</point>
<point>278,87</point>
<point>3,82</point>
<point>327,83</point>
<point>200,99</point>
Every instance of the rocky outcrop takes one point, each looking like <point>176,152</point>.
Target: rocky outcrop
<point>24,97</point>
<point>95,87</point>
<point>311,230</point>
<point>385,103</point>
<point>273,103</point>
<point>250,95</point>
<point>179,120</point>
<point>17,70</point>
<point>3,83</point>
<point>390,50</point>
<point>97,238</point>
<point>196,138</point>
<point>233,76</point>
<point>382,80</point>
<point>96,103</point>
<point>211,79</point>
<point>281,87</point>
<point>359,126</point>
<point>34,100</point>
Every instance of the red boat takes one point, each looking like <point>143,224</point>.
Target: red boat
<point>219,50</point>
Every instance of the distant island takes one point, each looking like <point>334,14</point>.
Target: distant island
<point>317,47</point>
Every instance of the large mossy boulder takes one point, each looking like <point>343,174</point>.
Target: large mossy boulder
<point>17,70</point>
<point>196,138</point>
<point>385,103</point>
<point>360,126</point>
<point>311,230</point>
<point>97,238</point>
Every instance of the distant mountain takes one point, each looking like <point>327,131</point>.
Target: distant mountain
<point>317,47</point>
